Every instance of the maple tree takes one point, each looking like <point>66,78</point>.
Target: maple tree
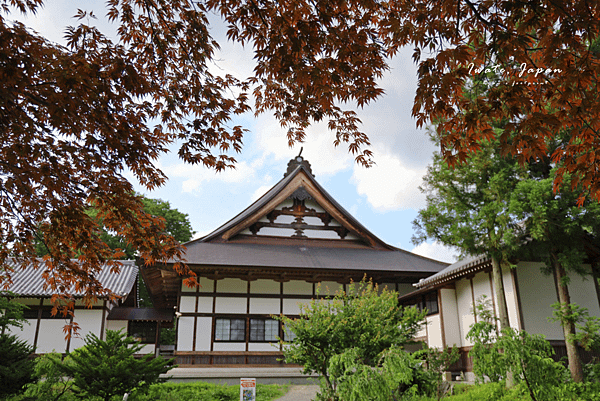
<point>313,56</point>
<point>74,118</point>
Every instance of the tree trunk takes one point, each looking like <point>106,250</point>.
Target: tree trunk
<point>567,325</point>
<point>502,308</point>
<point>500,296</point>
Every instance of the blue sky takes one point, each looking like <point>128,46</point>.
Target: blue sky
<point>385,198</point>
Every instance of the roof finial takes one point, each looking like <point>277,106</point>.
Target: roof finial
<point>298,161</point>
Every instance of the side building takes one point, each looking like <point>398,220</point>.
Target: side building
<point>45,332</point>
<point>294,244</point>
<point>529,295</point>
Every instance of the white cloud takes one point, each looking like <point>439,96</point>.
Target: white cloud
<point>260,191</point>
<point>324,158</point>
<point>436,251</point>
<point>195,175</point>
<point>390,185</point>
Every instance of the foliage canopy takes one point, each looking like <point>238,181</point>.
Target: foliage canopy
<point>75,118</point>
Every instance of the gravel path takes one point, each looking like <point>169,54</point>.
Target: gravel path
<point>300,393</point>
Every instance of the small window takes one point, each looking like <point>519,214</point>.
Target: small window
<point>230,330</point>
<point>144,332</point>
<point>263,330</point>
<point>431,303</point>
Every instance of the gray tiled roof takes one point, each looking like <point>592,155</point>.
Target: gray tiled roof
<point>309,257</point>
<point>29,282</point>
<point>457,269</point>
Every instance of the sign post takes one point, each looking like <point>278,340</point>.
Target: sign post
<point>247,389</point>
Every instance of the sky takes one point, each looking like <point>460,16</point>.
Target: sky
<point>384,198</point>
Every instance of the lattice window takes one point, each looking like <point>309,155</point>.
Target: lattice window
<point>230,330</point>
<point>264,330</point>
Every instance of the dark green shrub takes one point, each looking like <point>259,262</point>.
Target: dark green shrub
<point>16,364</point>
<point>108,368</point>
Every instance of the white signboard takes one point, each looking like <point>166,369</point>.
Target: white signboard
<point>247,389</point>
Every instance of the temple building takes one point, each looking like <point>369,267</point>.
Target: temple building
<point>293,244</point>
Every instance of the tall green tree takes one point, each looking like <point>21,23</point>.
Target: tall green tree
<point>559,227</point>
<point>468,208</point>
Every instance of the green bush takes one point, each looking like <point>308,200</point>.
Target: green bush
<point>363,319</point>
<point>16,364</point>
<point>200,391</point>
<point>106,368</point>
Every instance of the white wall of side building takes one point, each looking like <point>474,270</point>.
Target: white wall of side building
<point>464,302</point>
<point>89,321</point>
<point>434,331</point>
<point>510,293</point>
<point>449,309</point>
<point>537,292</point>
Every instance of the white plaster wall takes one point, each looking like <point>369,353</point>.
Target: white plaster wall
<point>230,305</point>
<point>511,298</point>
<point>464,303</point>
<point>52,337</point>
<point>297,287</point>
<point>313,221</point>
<point>288,203</point>
<point>264,287</point>
<point>483,287</point>
<point>583,292</point>
<point>203,327</point>
<point>449,310</point>
<point>205,304</point>
<point>283,219</point>
<point>187,304</point>
<point>90,321</point>
<point>434,331</point>
<point>328,288</point>
<point>229,347</point>
<point>232,285</point>
<point>265,305</point>
<point>537,292</point>
<point>313,205</point>
<point>292,306</point>
<point>322,234</point>
<point>27,333</point>
<point>185,333</point>
<point>274,346</point>
<point>404,288</point>
<point>276,232</point>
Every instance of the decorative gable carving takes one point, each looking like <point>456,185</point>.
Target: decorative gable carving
<point>299,211</point>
